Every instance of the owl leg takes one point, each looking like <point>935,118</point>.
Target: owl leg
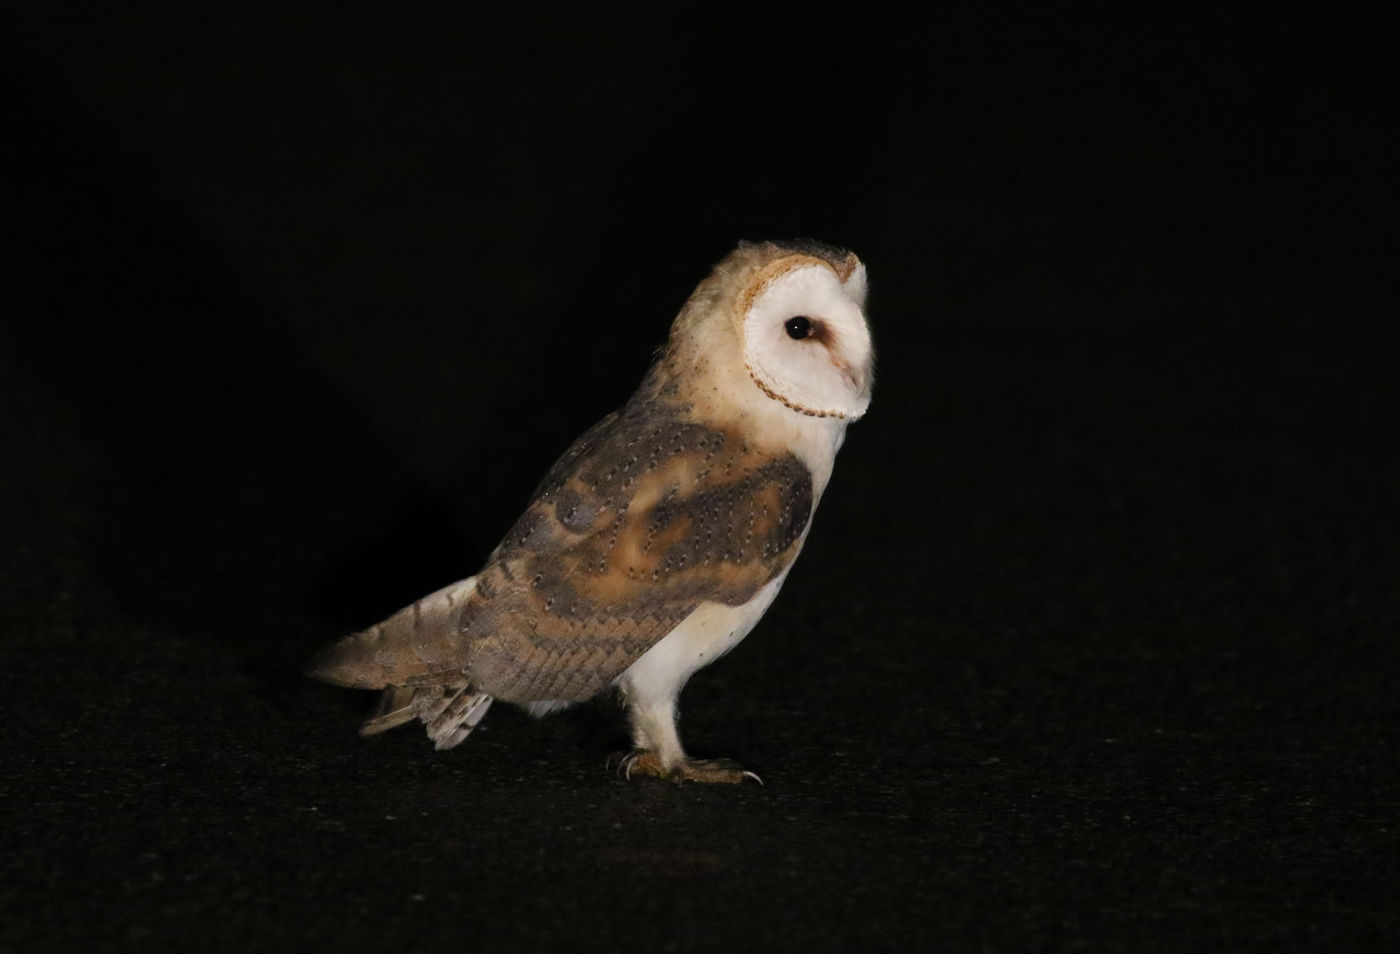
<point>654,730</point>
<point>657,748</point>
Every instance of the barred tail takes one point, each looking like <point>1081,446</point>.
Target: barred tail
<point>449,712</point>
<point>416,645</point>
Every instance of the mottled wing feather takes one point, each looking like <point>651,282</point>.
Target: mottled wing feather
<point>645,517</point>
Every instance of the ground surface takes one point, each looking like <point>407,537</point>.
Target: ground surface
<point>1093,644</point>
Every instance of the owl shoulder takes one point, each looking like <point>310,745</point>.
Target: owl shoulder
<point>650,470</point>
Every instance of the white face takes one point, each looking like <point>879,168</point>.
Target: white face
<point>806,342</point>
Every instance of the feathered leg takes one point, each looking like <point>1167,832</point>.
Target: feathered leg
<point>650,692</point>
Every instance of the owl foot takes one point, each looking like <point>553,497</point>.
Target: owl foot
<point>647,762</point>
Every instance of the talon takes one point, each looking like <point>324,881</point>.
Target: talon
<point>647,762</point>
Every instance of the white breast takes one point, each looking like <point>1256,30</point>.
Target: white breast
<point>709,632</point>
<point>713,629</point>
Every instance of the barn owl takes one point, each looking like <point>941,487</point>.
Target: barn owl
<point>655,544</point>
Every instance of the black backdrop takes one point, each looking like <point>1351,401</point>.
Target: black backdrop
<point>1091,647</point>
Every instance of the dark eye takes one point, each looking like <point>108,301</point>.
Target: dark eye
<point>799,327</point>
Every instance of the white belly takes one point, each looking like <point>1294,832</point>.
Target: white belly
<point>712,630</point>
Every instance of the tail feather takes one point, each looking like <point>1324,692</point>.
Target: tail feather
<point>395,707</point>
<point>457,718</point>
<point>417,658</point>
<point>450,713</point>
<point>417,645</point>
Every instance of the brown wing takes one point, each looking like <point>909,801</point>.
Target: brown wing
<point>645,517</point>
<point>641,521</point>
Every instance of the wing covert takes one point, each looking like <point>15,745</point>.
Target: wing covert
<point>647,516</point>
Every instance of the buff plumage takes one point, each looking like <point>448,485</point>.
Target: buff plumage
<point>660,537</point>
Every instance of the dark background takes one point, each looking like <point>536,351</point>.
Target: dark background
<point>1092,646</point>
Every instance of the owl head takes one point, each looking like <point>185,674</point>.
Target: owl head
<point>786,320</point>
